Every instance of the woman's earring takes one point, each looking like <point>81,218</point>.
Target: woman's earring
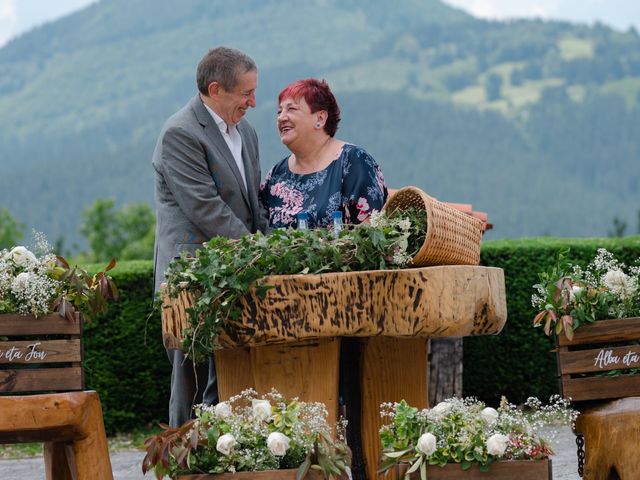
<point>317,125</point>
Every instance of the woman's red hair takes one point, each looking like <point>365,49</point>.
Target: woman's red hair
<point>318,96</point>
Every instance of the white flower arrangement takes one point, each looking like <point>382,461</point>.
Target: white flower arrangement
<point>250,433</point>
<point>41,283</point>
<point>568,295</point>
<point>27,286</point>
<point>466,431</point>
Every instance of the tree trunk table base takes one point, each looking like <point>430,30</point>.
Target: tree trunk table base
<point>611,438</point>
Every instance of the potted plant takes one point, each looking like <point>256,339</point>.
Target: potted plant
<point>466,439</point>
<point>593,313</point>
<point>266,437</point>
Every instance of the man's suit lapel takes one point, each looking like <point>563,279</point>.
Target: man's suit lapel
<point>219,144</point>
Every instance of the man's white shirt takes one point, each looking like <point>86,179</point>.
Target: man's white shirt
<point>233,139</point>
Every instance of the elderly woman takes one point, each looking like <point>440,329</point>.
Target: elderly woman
<point>323,174</point>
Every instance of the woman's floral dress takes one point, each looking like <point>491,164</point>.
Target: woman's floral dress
<point>353,183</point>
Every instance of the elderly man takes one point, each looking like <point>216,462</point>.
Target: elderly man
<point>207,175</point>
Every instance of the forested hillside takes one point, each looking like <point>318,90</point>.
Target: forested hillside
<point>536,123</point>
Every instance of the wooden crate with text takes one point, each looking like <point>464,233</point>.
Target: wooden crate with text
<point>596,364</point>
<point>40,354</point>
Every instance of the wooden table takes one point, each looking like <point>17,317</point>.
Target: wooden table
<point>290,339</point>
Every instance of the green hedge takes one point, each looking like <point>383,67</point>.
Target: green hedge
<point>127,365</point>
<point>125,361</point>
<point>518,362</point>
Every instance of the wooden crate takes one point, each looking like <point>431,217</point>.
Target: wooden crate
<point>40,354</point>
<point>596,349</point>
<point>504,470</point>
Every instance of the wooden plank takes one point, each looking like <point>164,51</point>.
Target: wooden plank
<point>234,371</point>
<point>16,325</point>
<point>593,388</point>
<point>307,370</point>
<point>600,359</point>
<point>393,369</point>
<point>40,379</point>
<point>505,470</point>
<point>40,351</point>
<point>444,301</point>
<point>604,331</point>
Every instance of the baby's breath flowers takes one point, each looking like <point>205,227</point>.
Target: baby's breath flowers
<point>568,295</point>
<point>466,431</point>
<point>41,283</point>
<point>250,433</point>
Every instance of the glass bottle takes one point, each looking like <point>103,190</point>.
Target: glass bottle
<point>303,221</point>
<point>336,222</point>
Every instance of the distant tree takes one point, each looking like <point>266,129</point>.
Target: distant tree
<point>125,234</point>
<point>11,231</point>
<point>619,228</point>
<point>493,85</point>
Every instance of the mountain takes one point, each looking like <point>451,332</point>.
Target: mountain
<point>536,123</point>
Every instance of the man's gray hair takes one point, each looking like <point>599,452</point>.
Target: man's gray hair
<point>223,65</point>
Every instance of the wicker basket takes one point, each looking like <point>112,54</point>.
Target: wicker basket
<point>452,237</point>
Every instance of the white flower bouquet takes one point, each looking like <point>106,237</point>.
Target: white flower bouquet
<point>41,283</point>
<point>467,432</point>
<point>249,433</point>
<point>569,295</point>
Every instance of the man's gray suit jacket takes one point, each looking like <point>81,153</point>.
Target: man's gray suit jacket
<point>199,191</point>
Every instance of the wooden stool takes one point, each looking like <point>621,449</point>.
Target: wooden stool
<point>611,437</point>
<point>70,423</point>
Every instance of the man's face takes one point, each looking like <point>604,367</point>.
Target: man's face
<point>234,104</point>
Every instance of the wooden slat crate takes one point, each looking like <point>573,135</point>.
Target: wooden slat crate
<point>595,350</point>
<point>501,470</point>
<point>40,354</point>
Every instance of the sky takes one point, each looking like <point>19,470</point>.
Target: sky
<point>20,16</point>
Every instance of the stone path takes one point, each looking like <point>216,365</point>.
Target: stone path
<point>127,465</point>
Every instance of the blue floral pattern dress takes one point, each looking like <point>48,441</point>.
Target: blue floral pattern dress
<point>353,184</point>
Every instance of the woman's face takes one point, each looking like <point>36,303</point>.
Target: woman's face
<point>295,120</point>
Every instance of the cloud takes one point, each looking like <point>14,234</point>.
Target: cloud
<point>503,9</point>
<point>8,20</point>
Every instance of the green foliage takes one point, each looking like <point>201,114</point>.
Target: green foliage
<point>225,269</point>
<point>493,85</point>
<point>127,234</point>
<point>11,230</point>
<point>125,361</point>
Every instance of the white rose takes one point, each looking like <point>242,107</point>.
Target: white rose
<point>222,410</point>
<point>226,443</point>
<point>261,409</point>
<point>426,444</point>
<point>575,290</point>
<point>22,257</point>
<point>497,444</point>
<point>20,282</point>
<point>278,443</point>
<point>489,415</point>
<point>441,409</point>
